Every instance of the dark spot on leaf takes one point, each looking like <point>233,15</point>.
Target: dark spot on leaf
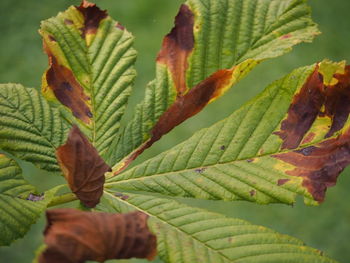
<point>177,46</point>
<point>223,147</point>
<point>252,192</point>
<point>307,151</point>
<point>92,17</point>
<point>76,236</point>
<point>68,22</point>
<point>321,166</point>
<point>83,167</point>
<point>35,198</point>
<point>89,114</point>
<point>200,170</point>
<point>124,197</point>
<point>281,182</point>
<point>250,160</point>
<point>66,85</point>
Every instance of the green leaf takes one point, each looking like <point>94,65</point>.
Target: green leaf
<point>213,45</point>
<point>20,205</point>
<point>186,234</point>
<point>291,139</point>
<point>91,69</point>
<point>30,128</point>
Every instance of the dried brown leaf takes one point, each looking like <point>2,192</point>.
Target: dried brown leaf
<point>73,236</point>
<point>83,167</point>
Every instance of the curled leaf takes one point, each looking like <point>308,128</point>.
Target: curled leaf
<point>83,167</point>
<point>74,236</point>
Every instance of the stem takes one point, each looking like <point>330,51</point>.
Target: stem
<point>62,199</point>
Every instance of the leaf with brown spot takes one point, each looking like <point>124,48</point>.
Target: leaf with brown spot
<point>92,17</point>
<point>68,90</point>
<point>293,138</point>
<point>319,165</point>
<point>177,46</point>
<point>73,236</point>
<point>316,99</point>
<point>205,51</point>
<point>83,167</point>
<point>91,70</point>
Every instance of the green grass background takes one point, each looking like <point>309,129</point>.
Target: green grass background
<point>326,227</point>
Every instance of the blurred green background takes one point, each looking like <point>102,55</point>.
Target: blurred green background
<point>326,227</point>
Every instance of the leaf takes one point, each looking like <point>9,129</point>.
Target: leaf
<point>91,69</point>
<point>83,167</point>
<point>20,205</point>
<point>291,139</point>
<point>186,234</point>
<point>74,236</point>
<point>30,128</point>
<point>213,45</point>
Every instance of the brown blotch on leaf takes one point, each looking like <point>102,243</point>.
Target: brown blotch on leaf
<point>303,111</point>
<point>319,165</point>
<point>337,104</point>
<point>67,89</point>
<point>191,103</point>
<point>83,167</point>
<point>307,105</point>
<point>177,46</point>
<point>92,17</point>
<point>252,192</point>
<point>73,236</point>
<point>185,107</point>
<point>281,182</point>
